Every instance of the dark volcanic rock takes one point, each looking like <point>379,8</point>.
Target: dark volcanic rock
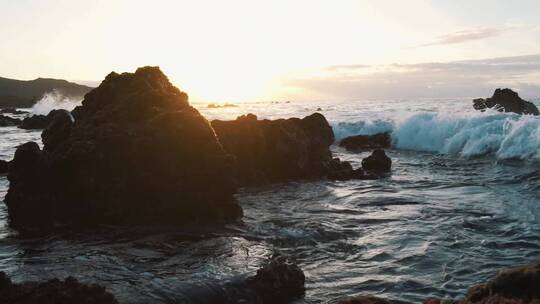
<point>52,292</point>
<point>366,142</point>
<point>277,282</point>
<point>35,122</point>
<point>277,150</point>
<point>4,166</point>
<point>377,162</point>
<point>517,285</point>
<point>506,100</point>
<point>136,152</point>
<point>6,121</point>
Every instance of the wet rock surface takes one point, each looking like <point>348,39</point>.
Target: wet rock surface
<point>36,122</point>
<point>378,162</point>
<point>134,152</point>
<point>4,166</point>
<point>366,142</point>
<point>54,291</point>
<point>506,100</point>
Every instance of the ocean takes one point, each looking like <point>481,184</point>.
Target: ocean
<point>462,202</point>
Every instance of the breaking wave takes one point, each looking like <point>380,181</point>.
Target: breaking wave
<point>54,100</point>
<point>504,135</point>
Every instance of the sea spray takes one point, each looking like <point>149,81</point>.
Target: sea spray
<point>54,100</point>
<point>502,134</point>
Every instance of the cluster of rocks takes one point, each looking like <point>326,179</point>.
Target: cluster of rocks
<point>506,100</point>
<point>33,122</point>
<point>136,152</point>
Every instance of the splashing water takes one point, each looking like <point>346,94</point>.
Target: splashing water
<point>54,100</point>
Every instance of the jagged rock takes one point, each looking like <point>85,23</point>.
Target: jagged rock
<point>4,166</point>
<point>377,162</point>
<point>6,121</point>
<point>53,291</point>
<point>506,100</point>
<point>277,150</point>
<point>364,300</point>
<point>136,152</point>
<point>516,285</point>
<point>366,142</point>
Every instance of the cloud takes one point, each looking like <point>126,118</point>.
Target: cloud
<point>468,78</point>
<point>468,35</point>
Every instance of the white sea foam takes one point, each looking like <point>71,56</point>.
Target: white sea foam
<point>54,100</point>
<point>501,134</point>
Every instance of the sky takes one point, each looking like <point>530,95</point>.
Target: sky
<point>240,50</point>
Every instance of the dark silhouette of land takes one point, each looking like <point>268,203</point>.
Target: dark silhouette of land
<point>25,93</point>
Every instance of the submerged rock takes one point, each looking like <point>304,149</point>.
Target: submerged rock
<point>277,150</point>
<point>6,121</point>
<point>377,162</point>
<point>506,100</point>
<point>52,292</point>
<point>134,152</point>
<point>366,142</point>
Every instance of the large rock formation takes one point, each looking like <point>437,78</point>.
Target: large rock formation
<point>366,142</point>
<point>277,150</point>
<point>52,292</point>
<point>134,152</point>
<point>506,100</point>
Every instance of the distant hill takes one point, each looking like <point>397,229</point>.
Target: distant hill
<point>25,93</point>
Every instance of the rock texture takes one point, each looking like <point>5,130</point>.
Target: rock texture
<point>366,142</point>
<point>134,152</point>
<point>517,286</point>
<point>377,162</point>
<point>52,292</point>
<point>506,100</point>
<point>277,150</point>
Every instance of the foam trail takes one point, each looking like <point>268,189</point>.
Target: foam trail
<point>503,134</point>
<point>54,100</point>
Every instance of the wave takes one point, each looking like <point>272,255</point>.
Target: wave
<point>54,100</point>
<point>504,135</point>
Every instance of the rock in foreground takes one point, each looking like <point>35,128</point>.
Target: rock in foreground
<point>136,152</point>
<point>52,292</point>
<point>517,286</point>
<point>506,100</point>
<point>4,166</point>
<point>366,142</point>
